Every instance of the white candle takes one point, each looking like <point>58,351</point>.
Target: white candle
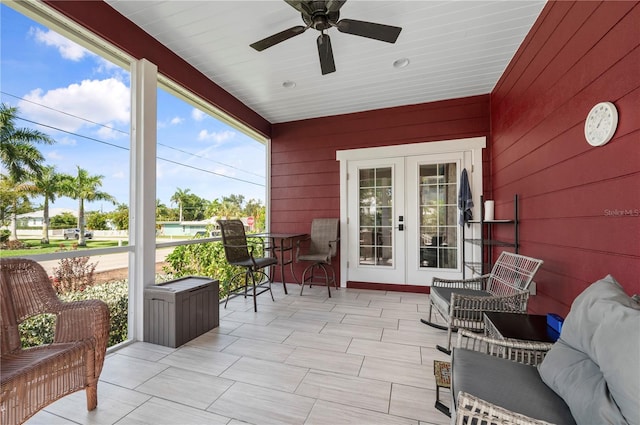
<point>488,210</point>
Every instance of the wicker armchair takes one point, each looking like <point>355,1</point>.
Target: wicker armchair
<point>32,378</point>
<point>462,302</point>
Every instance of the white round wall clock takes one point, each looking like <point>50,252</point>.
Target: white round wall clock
<point>601,123</point>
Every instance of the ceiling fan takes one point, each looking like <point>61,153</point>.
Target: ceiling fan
<point>322,15</point>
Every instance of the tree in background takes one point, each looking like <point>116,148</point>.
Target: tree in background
<point>97,220</point>
<point>163,213</point>
<point>213,209</point>
<point>84,187</point>
<point>229,209</point>
<point>237,200</point>
<point>48,185</point>
<point>63,221</point>
<point>120,217</point>
<point>18,154</point>
<point>179,198</point>
<point>194,208</point>
<point>14,201</point>
<point>255,209</point>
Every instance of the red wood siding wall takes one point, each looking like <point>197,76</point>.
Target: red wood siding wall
<point>580,205</point>
<point>305,174</point>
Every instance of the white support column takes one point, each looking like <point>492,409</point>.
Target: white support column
<point>142,197</point>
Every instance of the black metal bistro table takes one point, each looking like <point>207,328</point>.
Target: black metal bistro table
<point>279,244</point>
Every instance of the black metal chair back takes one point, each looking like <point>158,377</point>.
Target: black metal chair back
<point>234,240</point>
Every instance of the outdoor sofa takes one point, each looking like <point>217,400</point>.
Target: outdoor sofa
<point>591,375</point>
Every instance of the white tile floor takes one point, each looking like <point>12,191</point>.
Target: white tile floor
<point>361,357</point>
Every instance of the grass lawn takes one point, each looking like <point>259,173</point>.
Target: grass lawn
<point>54,245</point>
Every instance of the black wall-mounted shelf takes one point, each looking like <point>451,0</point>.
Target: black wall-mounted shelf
<point>486,241</point>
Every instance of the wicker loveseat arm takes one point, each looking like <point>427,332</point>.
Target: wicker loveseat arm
<point>472,410</point>
<point>478,283</point>
<point>526,352</point>
<point>461,305</point>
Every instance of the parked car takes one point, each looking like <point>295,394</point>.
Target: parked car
<point>75,234</point>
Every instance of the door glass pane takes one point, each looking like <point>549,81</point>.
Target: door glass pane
<point>438,216</point>
<point>376,216</point>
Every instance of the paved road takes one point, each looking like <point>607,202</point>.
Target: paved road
<point>109,262</point>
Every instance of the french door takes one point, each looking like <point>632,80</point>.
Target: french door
<point>402,217</point>
<point>376,227</point>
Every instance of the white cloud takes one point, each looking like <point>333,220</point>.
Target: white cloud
<point>91,101</point>
<point>67,48</point>
<point>54,155</point>
<point>67,141</point>
<point>198,115</point>
<point>217,136</point>
<point>172,121</point>
<point>119,175</point>
<point>110,133</point>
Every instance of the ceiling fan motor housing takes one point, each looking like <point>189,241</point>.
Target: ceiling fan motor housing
<point>321,20</point>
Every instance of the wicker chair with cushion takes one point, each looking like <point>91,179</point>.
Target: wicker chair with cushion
<point>323,244</point>
<point>239,253</point>
<point>496,381</point>
<point>462,302</point>
<point>34,377</point>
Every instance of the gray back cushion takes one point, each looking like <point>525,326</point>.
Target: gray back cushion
<point>603,328</point>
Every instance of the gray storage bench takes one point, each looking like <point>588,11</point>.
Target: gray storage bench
<point>177,311</point>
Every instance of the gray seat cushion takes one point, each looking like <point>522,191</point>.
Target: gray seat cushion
<point>441,297</point>
<point>514,386</point>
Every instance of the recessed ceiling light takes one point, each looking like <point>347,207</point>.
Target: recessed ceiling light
<point>401,63</point>
<point>289,84</point>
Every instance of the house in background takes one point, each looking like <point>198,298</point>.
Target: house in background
<point>36,218</point>
<point>577,203</point>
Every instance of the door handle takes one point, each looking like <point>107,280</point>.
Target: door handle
<point>400,227</point>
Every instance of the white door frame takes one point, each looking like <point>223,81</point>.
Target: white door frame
<point>470,147</point>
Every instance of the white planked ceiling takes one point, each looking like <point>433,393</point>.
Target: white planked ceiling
<point>455,48</point>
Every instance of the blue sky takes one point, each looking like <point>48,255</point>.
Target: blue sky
<point>83,102</point>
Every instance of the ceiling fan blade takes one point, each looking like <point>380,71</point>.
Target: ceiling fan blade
<point>326,54</point>
<point>278,38</point>
<point>380,32</point>
<point>334,5</point>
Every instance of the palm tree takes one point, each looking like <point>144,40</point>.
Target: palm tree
<point>48,185</point>
<point>18,154</point>
<point>14,200</point>
<point>179,197</point>
<point>229,209</point>
<point>84,187</point>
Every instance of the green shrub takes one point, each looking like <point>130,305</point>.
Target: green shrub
<point>116,295</point>
<point>38,330</point>
<point>205,259</point>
